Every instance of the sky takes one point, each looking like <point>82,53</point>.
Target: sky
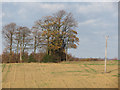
<point>95,20</point>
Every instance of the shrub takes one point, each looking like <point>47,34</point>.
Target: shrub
<point>50,58</point>
<point>7,58</point>
<point>39,56</point>
<point>31,58</point>
<point>25,57</point>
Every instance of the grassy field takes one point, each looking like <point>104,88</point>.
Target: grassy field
<point>60,75</point>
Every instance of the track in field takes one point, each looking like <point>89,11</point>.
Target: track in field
<point>51,75</point>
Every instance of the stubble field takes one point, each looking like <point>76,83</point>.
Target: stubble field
<point>81,74</point>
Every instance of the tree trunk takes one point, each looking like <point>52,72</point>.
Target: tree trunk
<point>35,45</point>
<point>20,54</point>
<point>11,39</point>
<point>11,45</point>
<point>23,45</point>
<point>48,47</point>
<point>17,47</point>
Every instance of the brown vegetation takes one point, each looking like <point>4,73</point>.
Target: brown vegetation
<point>14,58</point>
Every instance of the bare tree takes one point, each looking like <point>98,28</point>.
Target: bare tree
<point>8,34</point>
<point>23,39</point>
<point>56,33</point>
<point>36,38</point>
<point>45,25</point>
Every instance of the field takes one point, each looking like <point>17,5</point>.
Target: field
<point>60,75</point>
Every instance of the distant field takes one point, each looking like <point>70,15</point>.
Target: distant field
<point>60,75</point>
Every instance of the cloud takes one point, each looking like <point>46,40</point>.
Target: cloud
<point>42,6</point>
<point>95,20</point>
<point>52,7</point>
<point>23,13</point>
<point>3,14</point>
<point>96,7</point>
<point>95,23</point>
<point>91,21</point>
<point>60,1</point>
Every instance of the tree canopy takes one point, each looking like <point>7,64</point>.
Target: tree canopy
<point>55,34</point>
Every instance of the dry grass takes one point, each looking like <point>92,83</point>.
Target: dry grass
<point>60,75</point>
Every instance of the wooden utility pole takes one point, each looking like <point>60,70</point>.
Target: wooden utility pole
<point>106,37</point>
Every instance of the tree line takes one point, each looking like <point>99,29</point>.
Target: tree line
<point>53,35</point>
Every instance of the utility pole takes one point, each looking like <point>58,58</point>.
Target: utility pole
<point>106,37</point>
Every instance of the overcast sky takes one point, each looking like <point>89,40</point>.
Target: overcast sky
<point>95,20</point>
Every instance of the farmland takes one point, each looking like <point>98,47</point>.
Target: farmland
<point>81,74</point>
